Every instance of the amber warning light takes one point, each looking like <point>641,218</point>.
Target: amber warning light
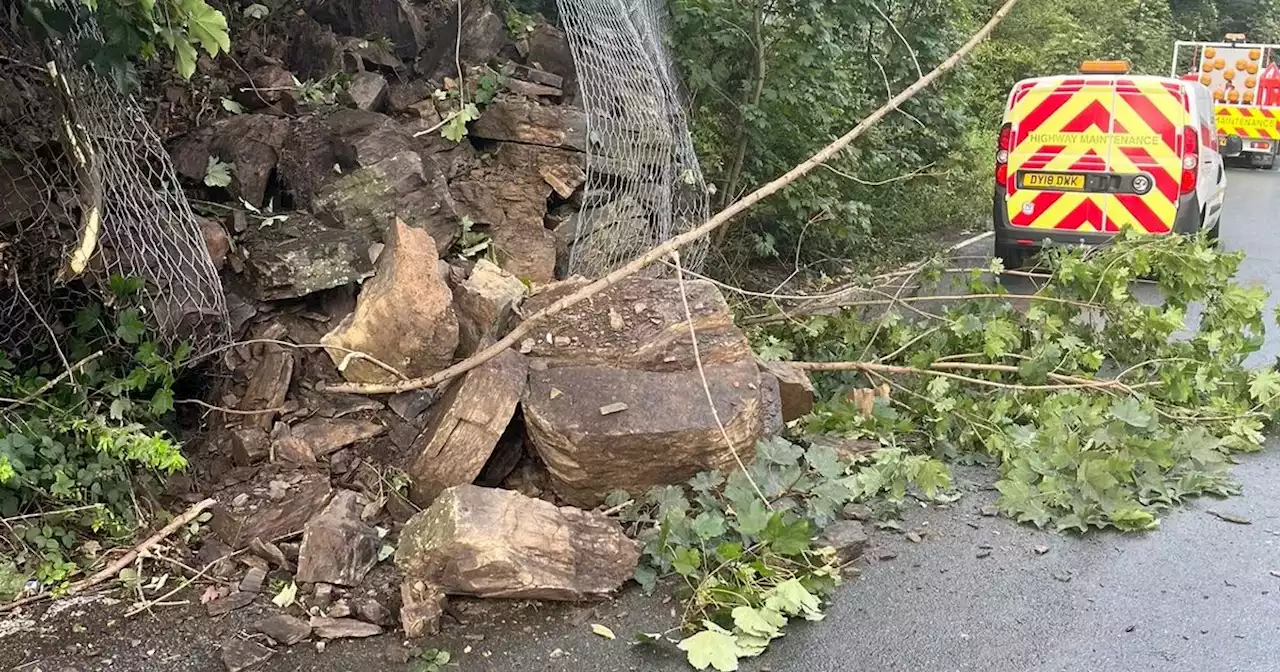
<point>1105,67</point>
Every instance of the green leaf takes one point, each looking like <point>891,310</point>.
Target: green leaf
<point>603,631</point>
<point>687,562</point>
<point>184,58</point>
<point>256,11</point>
<point>1264,385</point>
<point>778,451</point>
<point>647,578</point>
<point>793,599</point>
<point>786,538</point>
<point>752,519</point>
<point>712,648</point>
<point>207,27</point>
<point>729,551</point>
<point>762,622</point>
<point>287,596</point>
<point>455,126</point>
<point>1130,412</point>
<point>217,173</point>
<point>708,525</point>
<point>129,326</point>
<point>162,401</point>
<point>232,106</point>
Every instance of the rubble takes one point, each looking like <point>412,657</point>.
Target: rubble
<point>400,186</point>
<point>483,303</point>
<point>372,611</point>
<point>465,427</point>
<point>284,629</point>
<point>367,91</point>
<point>395,20</point>
<point>328,435</point>
<point>415,342</point>
<point>343,628</point>
<point>794,388</point>
<point>498,543</point>
<point>300,255</point>
<point>269,382</point>
<point>242,654</point>
<point>513,119</point>
<point>249,446</point>
<point>422,605</point>
<point>337,546</point>
<point>253,580</point>
<point>848,537</point>
<point>229,603</point>
<point>272,504</point>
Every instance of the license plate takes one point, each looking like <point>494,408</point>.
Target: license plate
<point>1056,181</point>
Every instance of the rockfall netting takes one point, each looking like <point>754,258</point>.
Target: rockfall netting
<point>87,192</point>
<point>644,184</point>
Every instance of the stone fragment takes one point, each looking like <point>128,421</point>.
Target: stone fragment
<point>239,655</point>
<point>269,86</point>
<point>249,446</point>
<point>498,543</point>
<point>532,90</point>
<point>216,240</point>
<point>526,121</point>
<point>343,628</point>
<point>269,382</point>
<point>274,556</point>
<point>328,435</point>
<point>482,35</point>
<point>848,537</point>
<point>465,426</point>
<point>251,143</point>
<point>340,609</point>
<point>284,629</point>
<point>285,447</point>
<point>217,556</point>
<point>422,605</point>
<point>404,316</point>
<point>794,388</point>
<point>549,50</point>
<point>300,255</point>
<point>589,454</point>
<point>314,51</point>
<point>372,611</point>
<point>483,303</point>
<point>253,580</point>
<point>402,96</point>
<point>226,604</point>
<point>337,546</point>
<point>367,91</point>
<point>299,495</point>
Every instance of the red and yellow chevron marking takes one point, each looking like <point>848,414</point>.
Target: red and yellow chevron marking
<point>1249,121</point>
<point>1078,124</point>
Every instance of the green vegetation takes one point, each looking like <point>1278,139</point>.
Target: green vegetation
<point>81,443</point>
<point>771,82</point>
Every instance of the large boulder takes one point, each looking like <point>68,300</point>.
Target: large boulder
<point>482,35</point>
<point>404,316</point>
<point>395,20</point>
<point>400,187</point>
<point>465,426</point>
<point>525,121</point>
<point>616,401</point>
<point>499,543</point>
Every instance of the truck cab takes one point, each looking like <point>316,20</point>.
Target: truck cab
<point>1244,83</point>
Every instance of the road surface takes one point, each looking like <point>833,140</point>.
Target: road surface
<point>1196,595</point>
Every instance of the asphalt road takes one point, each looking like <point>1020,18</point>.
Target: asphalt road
<point>1197,595</point>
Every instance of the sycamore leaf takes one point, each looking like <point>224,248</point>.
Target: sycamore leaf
<point>232,106</point>
<point>708,525</point>
<point>752,518</point>
<point>793,599</point>
<point>763,622</point>
<point>256,11</point>
<point>184,58</point>
<point>207,27</point>
<point>1131,413</point>
<point>217,173</point>
<point>786,538</point>
<point>712,648</point>
<point>1264,385</point>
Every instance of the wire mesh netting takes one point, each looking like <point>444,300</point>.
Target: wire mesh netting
<point>643,179</point>
<point>70,144</point>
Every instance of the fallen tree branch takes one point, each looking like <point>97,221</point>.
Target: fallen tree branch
<point>124,560</point>
<point>943,370</point>
<point>677,242</point>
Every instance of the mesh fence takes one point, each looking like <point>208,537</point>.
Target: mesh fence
<point>644,184</point>
<point>71,144</point>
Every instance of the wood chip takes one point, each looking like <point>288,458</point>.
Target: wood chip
<point>610,409</point>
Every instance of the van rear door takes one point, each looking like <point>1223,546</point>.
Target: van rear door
<point>1096,154</point>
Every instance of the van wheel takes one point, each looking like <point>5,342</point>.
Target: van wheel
<point>1013,257</point>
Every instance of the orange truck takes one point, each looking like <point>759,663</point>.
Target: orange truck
<point>1244,81</point>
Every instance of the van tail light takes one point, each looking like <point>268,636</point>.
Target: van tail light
<point>1190,160</point>
<point>1002,155</point>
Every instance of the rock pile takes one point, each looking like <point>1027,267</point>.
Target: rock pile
<point>366,247</point>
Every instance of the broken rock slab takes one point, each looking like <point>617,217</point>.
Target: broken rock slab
<point>239,655</point>
<point>482,35</point>
<point>848,537</point>
<point>465,426</point>
<point>343,628</point>
<point>284,629</point>
<point>274,503</point>
<point>794,389</point>
<point>422,605</point>
<point>638,323</point>
<point>401,186</point>
<point>367,91</point>
<point>269,383</point>
<point>483,303</point>
<point>498,543</point>
<point>395,20</point>
<point>666,433</point>
<point>525,121</point>
<point>404,316</point>
<point>300,255</point>
<point>337,546</point>
<point>329,435</point>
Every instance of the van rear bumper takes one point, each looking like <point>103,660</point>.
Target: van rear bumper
<point>1186,222</point>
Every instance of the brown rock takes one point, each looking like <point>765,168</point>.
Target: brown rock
<point>401,186</point>
<point>327,435</point>
<point>269,382</point>
<point>367,91</point>
<point>253,580</point>
<point>483,303</point>
<point>590,455</point>
<point>404,316</point>
<point>532,90</point>
<point>241,654</point>
<point>770,405</point>
<point>482,35</point>
<point>395,20</point>
<point>338,547</point>
<point>252,143</point>
<point>794,388</point>
<point>525,121</point>
<point>564,178</point>
<point>422,606</point>
<point>464,427</point>
<point>498,543</point>
<point>527,252</point>
<point>249,446</point>
<point>343,628</point>
<point>217,556</point>
<point>285,447</point>
<point>314,51</point>
<point>848,537</point>
<point>401,96</point>
<point>302,255</point>
<point>225,605</point>
<point>271,553</point>
<point>215,240</point>
<point>272,504</point>
<point>655,334</point>
<point>372,611</point>
<point>268,86</point>
<point>284,629</point>
<point>549,49</point>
